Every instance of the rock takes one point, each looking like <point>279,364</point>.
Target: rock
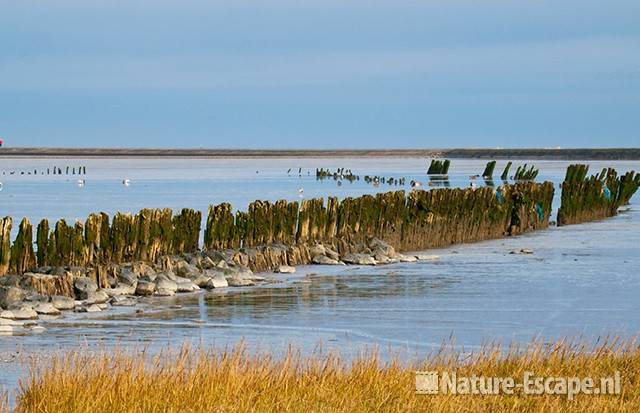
<point>46,309</point>
<point>83,286</point>
<point>11,296</point>
<point>37,329</point>
<point>165,287</point>
<point>93,308</point>
<point>382,248</point>
<point>7,314</point>
<point>63,303</point>
<point>317,249</point>
<point>8,322</point>
<point>24,313</point>
<point>359,259</point>
<point>408,258</point>
<point>423,257</point>
<point>185,287</point>
<point>184,269</point>
<point>11,280</point>
<point>6,330</point>
<point>235,281</point>
<point>121,290</point>
<point>103,306</point>
<point>97,297</point>
<point>145,288</point>
<point>323,260</point>
<point>521,251</point>
<point>331,254</point>
<point>286,269</point>
<point>120,301</point>
<point>126,276</point>
<point>217,281</point>
<point>223,265</point>
<point>202,281</point>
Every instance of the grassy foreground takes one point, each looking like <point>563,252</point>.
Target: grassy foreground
<point>234,380</point>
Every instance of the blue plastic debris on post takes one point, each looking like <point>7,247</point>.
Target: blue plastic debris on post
<point>539,211</point>
<point>500,197</point>
<point>607,193</point>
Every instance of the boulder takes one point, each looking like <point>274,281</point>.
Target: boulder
<point>96,297</point>
<point>120,301</point>
<point>11,296</point>
<point>10,322</point>
<point>145,288</point>
<point>46,309</point>
<point>187,270</point>
<point>83,286</point>
<point>185,286</point>
<point>12,280</point>
<point>6,330</point>
<point>207,263</point>
<point>286,269</point>
<point>359,259</point>
<point>201,281</point>
<point>126,276</point>
<point>24,313</point>
<point>121,290</point>
<point>408,258</point>
<point>426,257</point>
<point>6,314</point>
<point>93,308</point>
<point>323,260</point>
<point>217,281</point>
<point>165,287</point>
<point>236,281</point>
<point>63,303</point>
<point>379,247</point>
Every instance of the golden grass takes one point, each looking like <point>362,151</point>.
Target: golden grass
<point>233,380</point>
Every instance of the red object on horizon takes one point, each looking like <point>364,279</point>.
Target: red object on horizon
<point>1,142</point>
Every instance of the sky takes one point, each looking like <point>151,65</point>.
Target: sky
<point>320,74</point>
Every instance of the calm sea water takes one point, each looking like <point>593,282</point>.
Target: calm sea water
<point>582,281</point>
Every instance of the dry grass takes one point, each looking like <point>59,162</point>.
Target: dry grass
<point>198,380</point>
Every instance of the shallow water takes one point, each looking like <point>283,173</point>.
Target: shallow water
<point>581,281</point>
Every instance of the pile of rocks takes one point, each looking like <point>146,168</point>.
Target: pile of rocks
<point>48,292</point>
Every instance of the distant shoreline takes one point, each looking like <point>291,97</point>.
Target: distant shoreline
<point>524,153</point>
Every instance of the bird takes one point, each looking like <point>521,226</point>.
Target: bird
<point>81,183</point>
<point>126,182</point>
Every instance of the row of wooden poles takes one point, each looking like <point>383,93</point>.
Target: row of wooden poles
<point>587,198</point>
<point>420,219</point>
<point>417,220</point>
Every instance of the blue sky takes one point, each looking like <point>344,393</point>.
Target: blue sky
<point>321,74</point>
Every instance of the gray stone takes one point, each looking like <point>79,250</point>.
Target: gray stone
<point>165,287</point>
<point>380,247</point>
<point>120,301</point>
<point>121,290</point>
<point>96,297</point>
<point>126,276</point>
<point>286,269</point>
<point>201,281</point>
<point>235,281</point>
<point>185,286</point>
<point>408,258</point>
<point>359,259</point>
<point>6,314</point>
<point>93,308</point>
<point>145,288</point>
<point>186,270</point>
<point>11,296</point>
<point>63,303</point>
<point>217,281</point>
<point>426,257</point>
<point>11,280</point>
<point>24,313</point>
<point>83,286</point>
<point>323,260</point>
<point>46,309</point>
